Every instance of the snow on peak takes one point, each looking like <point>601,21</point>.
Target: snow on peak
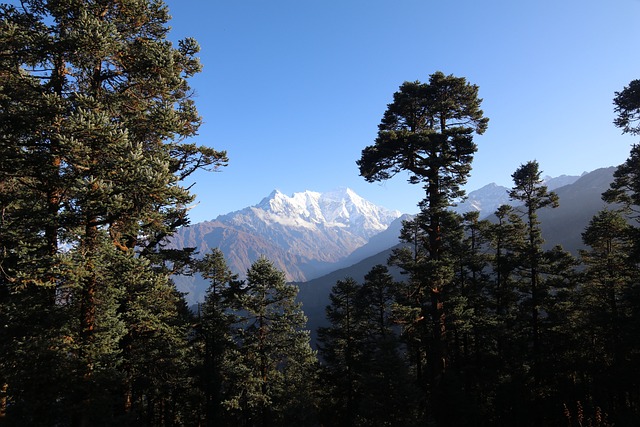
<point>302,205</point>
<point>484,200</point>
<point>341,207</point>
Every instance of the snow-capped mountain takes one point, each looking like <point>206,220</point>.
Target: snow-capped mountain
<point>305,234</point>
<point>580,199</point>
<point>309,234</point>
<point>341,208</point>
<point>490,197</point>
<point>484,200</point>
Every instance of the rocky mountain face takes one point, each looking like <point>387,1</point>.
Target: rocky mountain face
<point>305,235</point>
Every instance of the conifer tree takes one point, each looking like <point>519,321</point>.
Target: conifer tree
<point>506,239</point>
<point>154,350</point>
<point>273,374</point>
<point>544,280</point>
<point>625,191</point>
<point>625,188</point>
<point>427,131</point>
<point>469,295</point>
<point>529,189</point>
<point>95,109</point>
<point>389,395</point>
<point>374,303</point>
<point>341,349</point>
<point>216,320</point>
<point>472,321</point>
<point>605,314</point>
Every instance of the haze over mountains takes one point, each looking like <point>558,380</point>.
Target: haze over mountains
<point>309,235</point>
<point>580,200</point>
<point>488,198</point>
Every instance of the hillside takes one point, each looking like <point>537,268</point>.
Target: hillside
<point>579,201</point>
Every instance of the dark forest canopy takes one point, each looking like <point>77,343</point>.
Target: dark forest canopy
<point>487,329</point>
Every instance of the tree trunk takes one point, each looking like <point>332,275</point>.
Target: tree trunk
<point>3,401</point>
<point>438,315</point>
<point>87,322</point>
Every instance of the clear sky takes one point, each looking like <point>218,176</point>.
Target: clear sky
<point>295,89</point>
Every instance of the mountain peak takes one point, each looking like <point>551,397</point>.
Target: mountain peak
<point>484,200</point>
<point>339,208</point>
<point>302,204</point>
<point>490,185</point>
<point>341,192</point>
<point>308,229</point>
<point>273,195</point>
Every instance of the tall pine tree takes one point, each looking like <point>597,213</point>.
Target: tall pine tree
<point>605,312</point>
<point>544,279</point>
<point>216,320</point>
<point>529,190</point>
<point>95,109</point>
<point>341,349</point>
<point>427,131</point>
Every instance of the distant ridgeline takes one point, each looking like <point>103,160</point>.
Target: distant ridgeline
<point>580,199</point>
<point>311,234</point>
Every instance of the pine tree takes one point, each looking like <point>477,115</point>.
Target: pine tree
<point>544,279</point>
<point>506,239</point>
<point>216,321</point>
<point>366,373</point>
<point>273,374</point>
<point>95,111</point>
<point>472,321</point>
<point>388,393</point>
<point>625,188</point>
<point>605,311</point>
<point>340,346</point>
<point>529,189</point>
<point>155,348</point>
<point>427,131</point>
<point>625,191</point>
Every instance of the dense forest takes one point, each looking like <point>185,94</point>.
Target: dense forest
<point>487,329</point>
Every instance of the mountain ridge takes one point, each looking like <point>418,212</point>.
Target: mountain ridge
<point>580,200</point>
<point>305,235</point>
<point>489,197</point>
<point>310,234</point>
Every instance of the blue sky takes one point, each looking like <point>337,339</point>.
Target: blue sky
<point>294,90</point>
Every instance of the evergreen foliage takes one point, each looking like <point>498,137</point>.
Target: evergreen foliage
<point>529,190</point>
<point>607,306</point>
<point>215,327</point>
<point>341,349</point>
<point>487,329</point>
<point>95,109</point>
<point>271,380</point>
<point>427,131</point>
<point>367,378</point>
